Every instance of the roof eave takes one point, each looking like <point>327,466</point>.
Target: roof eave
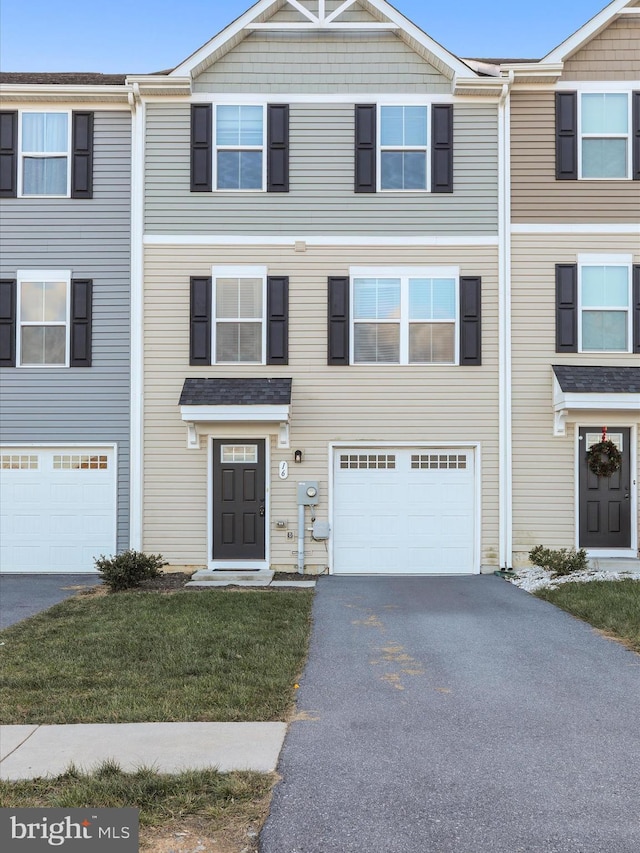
<point>53,93</point>
<point>586,32</point>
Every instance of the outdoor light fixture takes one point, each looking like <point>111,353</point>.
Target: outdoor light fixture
<point>297,456</point>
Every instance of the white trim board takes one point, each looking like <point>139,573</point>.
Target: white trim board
<point>631,228</point>
<point>315,240</point>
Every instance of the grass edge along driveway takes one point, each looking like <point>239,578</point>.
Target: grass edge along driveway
<point>210,655</point>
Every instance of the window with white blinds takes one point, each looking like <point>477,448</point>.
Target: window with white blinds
<point>239,305</point>
<point>408,318</point>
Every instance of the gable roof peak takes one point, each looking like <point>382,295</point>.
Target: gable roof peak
<point>321,15</point>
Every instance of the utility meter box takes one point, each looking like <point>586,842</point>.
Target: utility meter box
<point>308,493</point>
<point>320,530</point>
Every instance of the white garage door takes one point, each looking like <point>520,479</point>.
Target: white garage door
<point>57,508</point>
<point>404,511</point>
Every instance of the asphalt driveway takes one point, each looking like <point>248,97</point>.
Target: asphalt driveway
<point>457,714</point>
<point>25,595</point>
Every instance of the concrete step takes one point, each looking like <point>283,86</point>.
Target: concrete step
<point>228,577</point>
<point>615,564</point>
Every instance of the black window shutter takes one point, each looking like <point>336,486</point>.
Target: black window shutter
<point>470,321</point>
<point>8,154</point>
<point>200,321</point>
<point>278,148</point>
<point>635,135</point>
<point>365,160</point>
<point>566,136</point>
<point>277,319</point>
<point>82,155</point>
<point>442,148</point>
<point>636,308</point>
<point>7,322</point>
<point>566,308</point>
<point>81,298</point>
<point>201,147</point>
<point>338,332</point>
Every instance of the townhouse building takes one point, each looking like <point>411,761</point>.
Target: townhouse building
<point>324,297</point>
<point>575,285</point>
<point>65,235</point>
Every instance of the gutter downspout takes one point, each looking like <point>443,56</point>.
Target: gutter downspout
<point>138,114</point>
<point>504,277</point>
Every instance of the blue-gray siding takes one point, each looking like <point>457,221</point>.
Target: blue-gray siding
<point>91,238</point>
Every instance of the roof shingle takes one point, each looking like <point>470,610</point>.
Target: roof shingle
<point>236,392</point>
<point>598,380</point>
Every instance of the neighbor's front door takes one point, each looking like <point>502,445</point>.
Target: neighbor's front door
<point>605,502</point>
<point>238,499</point>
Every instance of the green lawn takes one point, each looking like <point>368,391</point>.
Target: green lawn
<point>611,606</point>
<point>217,655</point>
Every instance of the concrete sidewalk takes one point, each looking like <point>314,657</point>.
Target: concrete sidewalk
<point>27,752</point>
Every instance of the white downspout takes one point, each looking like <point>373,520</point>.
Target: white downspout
<point>504,277</point>
<point>138,113</point>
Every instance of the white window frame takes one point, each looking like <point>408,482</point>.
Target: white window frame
<point>404,274</point>
<point>42,155</point>
<point>625,261</point>
<point>262,148</point>
<point>239,272</point>
<point>627,135</point>
<point>27,276</point>
<point>380,148</point>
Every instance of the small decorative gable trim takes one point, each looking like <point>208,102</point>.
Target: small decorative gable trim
<point>578,388</point>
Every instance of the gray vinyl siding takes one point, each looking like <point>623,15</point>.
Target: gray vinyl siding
<point>92,239</point>
<point>321,198</point>
<point>327,62</point>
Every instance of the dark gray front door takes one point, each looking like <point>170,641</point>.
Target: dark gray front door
<point>605,502</point>
<point>238,499</point>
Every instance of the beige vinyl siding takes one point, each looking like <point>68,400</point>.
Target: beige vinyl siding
<point>321,198</point>
<point>356,403</point>
<point>536,195</point>
<point>325,62</point>
<point>613,54</point>
<point>544,483</point>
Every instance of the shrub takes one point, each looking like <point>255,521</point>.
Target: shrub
<point>129,569</point>
<point>563,561</point>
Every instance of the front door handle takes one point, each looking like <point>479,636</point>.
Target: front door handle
<point>261,512</point>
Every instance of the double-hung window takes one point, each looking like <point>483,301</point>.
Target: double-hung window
<point>45,142</point>
<point>404,316</point>
<point>604,286</point>
<point>403,147</point>
<point>605,145</point>
<point>240,147</point>
<point>239,300</point>
<point>43,318</point>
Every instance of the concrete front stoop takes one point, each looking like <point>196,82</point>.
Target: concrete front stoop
<point>614,564</point>
<point>239,577</point>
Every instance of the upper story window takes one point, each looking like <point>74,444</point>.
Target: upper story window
<point>239,299</point>
<point>605,122</point>
<point>45,141</point>
<point>403,146</point>
<point>408,317</point>
<point>240,147</point>
<point>43,318</point>
<point>605,307</point>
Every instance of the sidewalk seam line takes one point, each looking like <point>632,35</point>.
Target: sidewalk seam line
<point>22,743</point>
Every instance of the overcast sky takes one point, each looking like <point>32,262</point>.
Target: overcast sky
<point>121,36</point>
